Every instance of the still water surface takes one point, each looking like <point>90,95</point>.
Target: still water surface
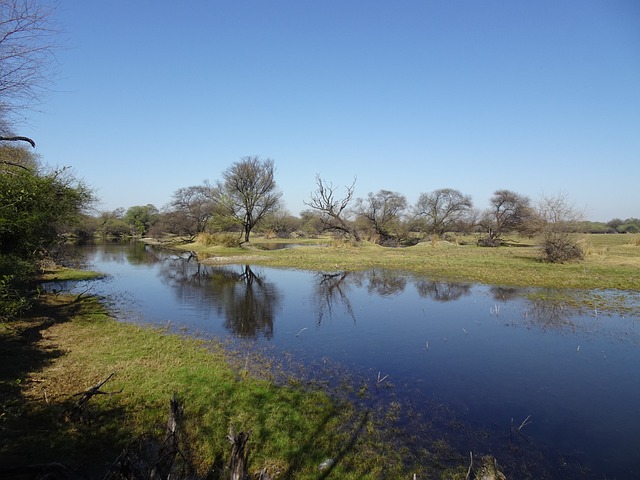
<point>491,355</point>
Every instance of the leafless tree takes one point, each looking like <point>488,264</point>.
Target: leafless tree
<point>559,222</point>
<point>27,43</point>
<point>443,210</point>
<point>191,208</point>
<point>249,191</point>
<point>383,213</point>
<point>334,211</point>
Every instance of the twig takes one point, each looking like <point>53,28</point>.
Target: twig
<point>380,380</point>
<point>305,328</point>
<point>87,394</point>
<point>470,465</point>
<point>524,423</point>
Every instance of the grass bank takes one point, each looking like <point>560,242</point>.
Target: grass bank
<point>611,261</point>
<point>67,345</point>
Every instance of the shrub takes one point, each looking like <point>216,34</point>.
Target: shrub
<point>222,239</point>
<point>560,248</point>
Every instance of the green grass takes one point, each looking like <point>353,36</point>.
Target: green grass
<point>67,346</point>
<point>64,274</point>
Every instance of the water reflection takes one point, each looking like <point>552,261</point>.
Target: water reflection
<point>245,299</point>
<point>441,291</point>
<point>490,353</point>
<point>330,290</point>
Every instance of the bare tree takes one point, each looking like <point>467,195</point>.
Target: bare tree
<point>334,211</point>
<point>443,210</point>
<point>191,208</point>
<point>560,219</point>
<point>249,191</point>
<point>27,43</point>
<point>509,212</point>
<point>382,212</point>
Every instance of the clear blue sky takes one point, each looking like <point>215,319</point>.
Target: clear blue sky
<point>539,97</point>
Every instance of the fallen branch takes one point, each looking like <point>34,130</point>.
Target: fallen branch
<point>88,394</point>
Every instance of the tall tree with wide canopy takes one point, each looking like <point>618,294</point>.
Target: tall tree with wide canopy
<point>191,208</point>
<point>382,211</point>
<point>443,209</point>
<point>509,212</point>
<point>248,191</point>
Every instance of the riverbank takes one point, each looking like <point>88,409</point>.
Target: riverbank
<point>69,344</point>
<point>611,261</point>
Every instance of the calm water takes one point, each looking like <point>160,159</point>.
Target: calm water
<point>488,356</point>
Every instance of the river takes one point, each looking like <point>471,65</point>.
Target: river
<point>498,369</point>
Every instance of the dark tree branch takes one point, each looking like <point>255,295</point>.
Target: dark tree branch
<point>18,139</point>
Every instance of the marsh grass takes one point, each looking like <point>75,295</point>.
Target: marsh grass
<point>61,274</point>
<point>68,345</point>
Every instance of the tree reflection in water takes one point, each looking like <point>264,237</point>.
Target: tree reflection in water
<point>244,299</point>
<point>442,291</point>
<point>330,289</point>
<point>248,304</point>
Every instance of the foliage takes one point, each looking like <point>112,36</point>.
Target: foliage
<point>112,224</point>
<point>35,209</point>
<point>141,218</point>
<point>248,192</point>
<point>310,223</point>
<point>594,227</point>
<point>16,295</point>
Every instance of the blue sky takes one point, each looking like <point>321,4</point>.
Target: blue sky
<point>539,97</point>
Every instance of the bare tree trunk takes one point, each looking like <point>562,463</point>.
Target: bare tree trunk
<point>239,454</point>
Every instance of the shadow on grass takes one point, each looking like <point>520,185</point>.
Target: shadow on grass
<point>39,432</point>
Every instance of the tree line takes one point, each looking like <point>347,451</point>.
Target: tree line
<point>247,199</point>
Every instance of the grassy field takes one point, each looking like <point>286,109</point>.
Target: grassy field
<point>611,261</point>
<point>66,346</point>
